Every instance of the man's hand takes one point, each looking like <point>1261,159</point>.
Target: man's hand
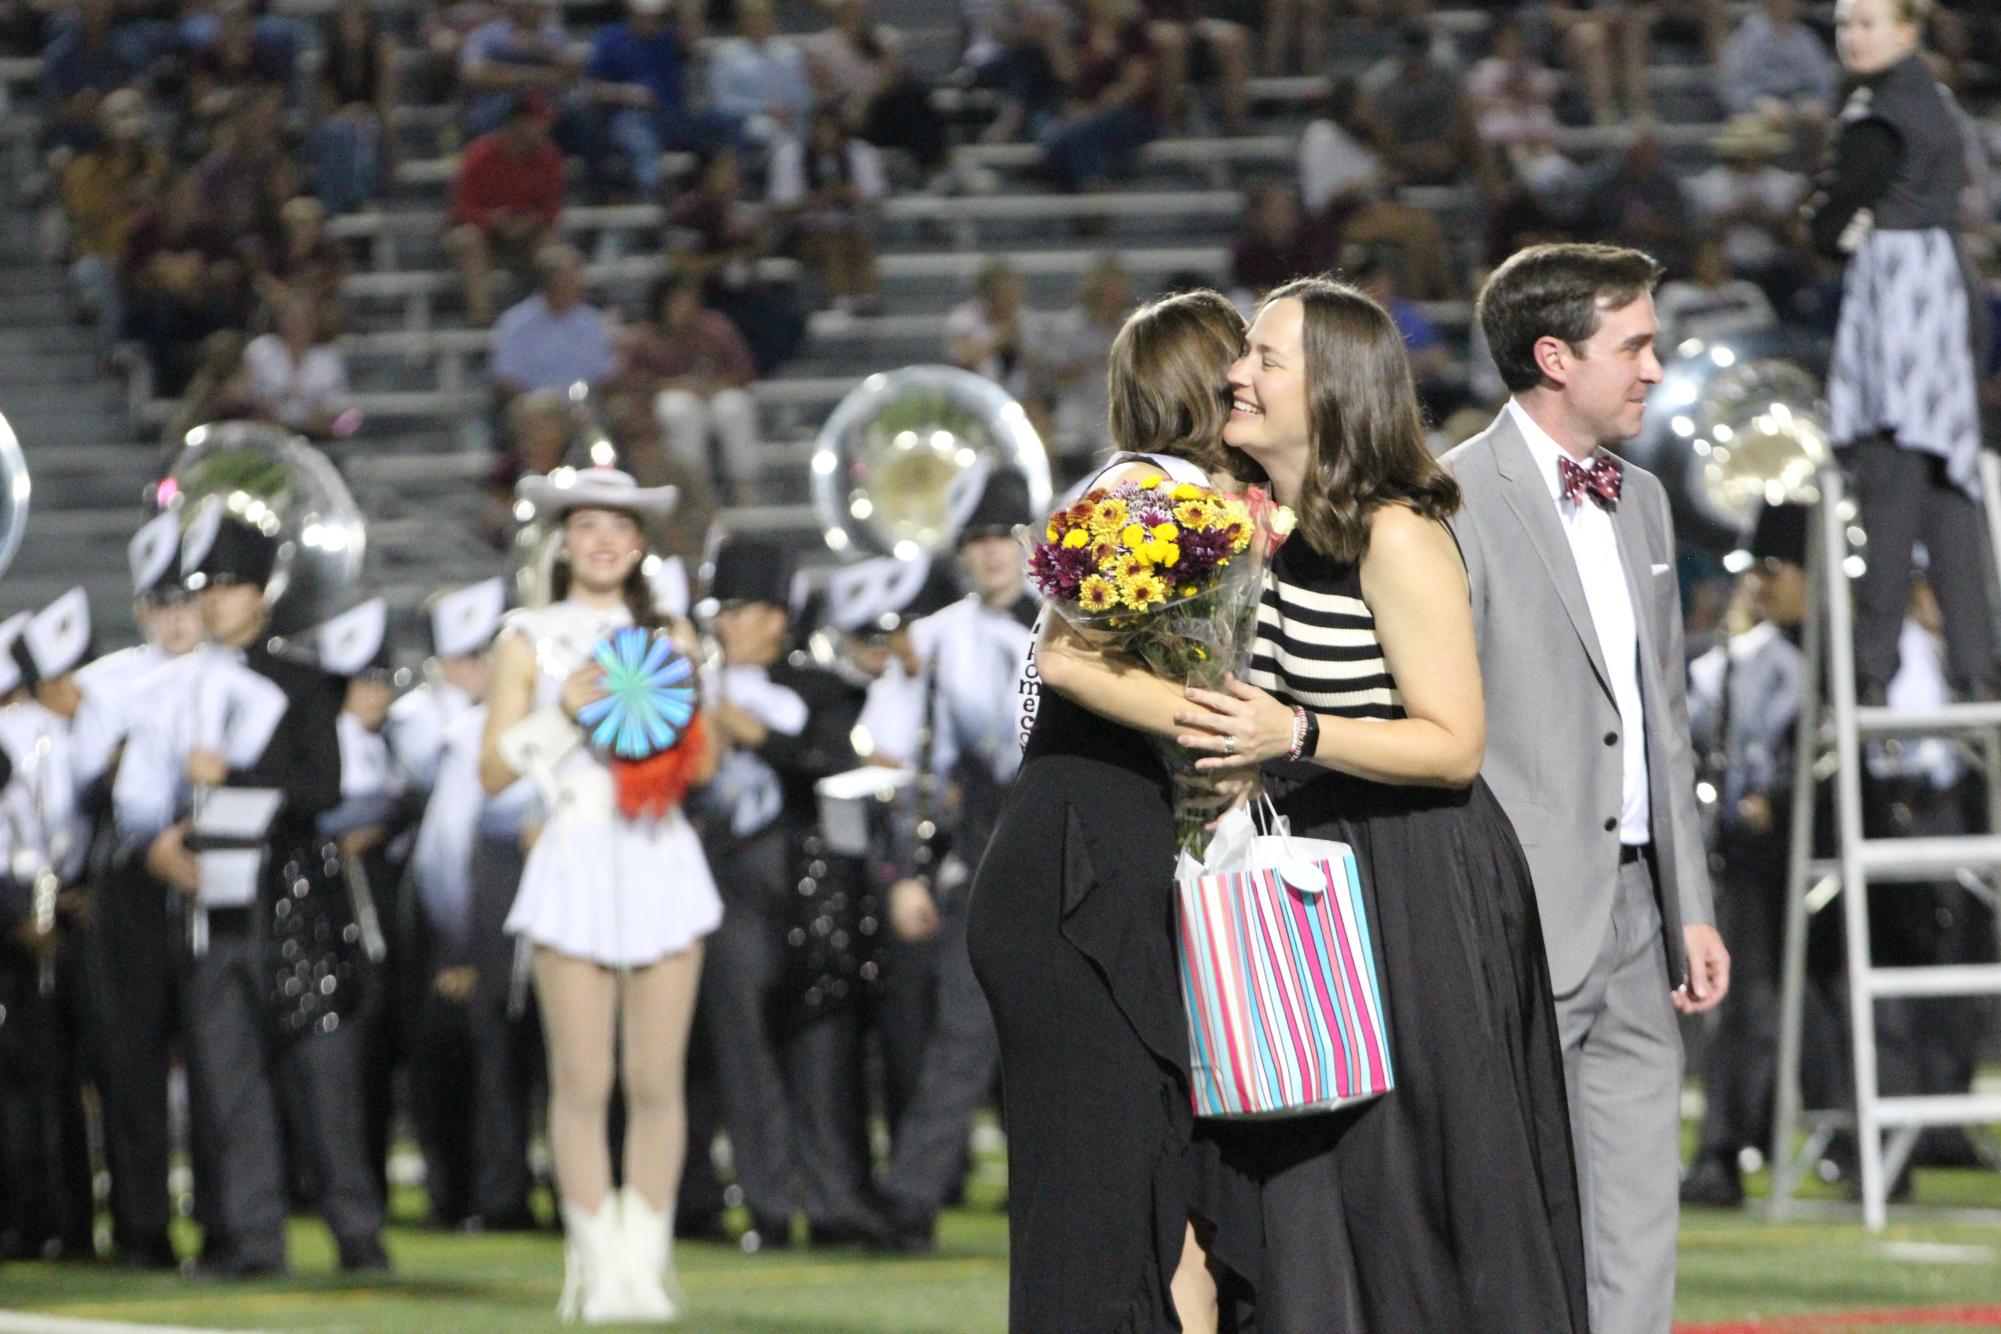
<point>1708,970</point>
<point>913,913</point>
<point>206,768</point>
<point>739,726</point>
<point>456,984</point>
<point>357,843</point>
<point>168,858</point>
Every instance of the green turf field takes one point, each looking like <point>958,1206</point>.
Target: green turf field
<point>1739,1275</point>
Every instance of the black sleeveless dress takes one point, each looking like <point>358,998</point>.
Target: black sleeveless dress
<point>1070,928</point>
<point>1451,1202</point>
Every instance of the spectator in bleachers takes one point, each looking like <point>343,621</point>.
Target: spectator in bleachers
<point>1430,362</point>
<point>1192,46</point>
<point>433,73</point>
<point>1069,357</point>
<point>720,235</point>
<point>758,78</point>
<point>297,376</point>
<point>1709,302</point>
<point>219,389</point>
<point>505,202</point>
<point>1513,93</point>
<point>102,191</point>
<point>231,60</point>
<point>1776,62</point>
<point>1409,239</point>
<point>1421,115</point>
<point>87,58</point>
<point>246,153</point>
<point>828,189</point>
<point>1279,242</point>
<point>637,75</point>
<point>525,51</point>
<point>1293,32</point>
<point>1339,168</point>
<point>694,368</point>
<point>181,279</point>
<point>1016,47</point>
<point>536,429</point>
<point>553,338</point>
<point>1752,202</point>
<point>299,260</point>
<point>1117,105</point>
<point>856,65</point>
<point>990,334</point>
<point>1637,200</point>
<point>354,89</point>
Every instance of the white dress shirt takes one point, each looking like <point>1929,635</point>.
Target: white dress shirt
<point>1594,545</point>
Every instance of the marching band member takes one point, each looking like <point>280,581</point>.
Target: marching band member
<point>222,783</point>
<point>461,624</point>
<point>44,961</point>
<point>616,906</point>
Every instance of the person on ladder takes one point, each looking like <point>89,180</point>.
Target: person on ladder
<point>1902,396</point>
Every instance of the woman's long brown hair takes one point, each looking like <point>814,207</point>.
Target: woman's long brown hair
<point>1167,380</point>
<point>1364,425</point>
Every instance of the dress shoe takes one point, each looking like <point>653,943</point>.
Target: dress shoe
<point>150,1253</point>
<point>766,1234</point>
<point>363,1255</point>
<point>1712,1183</point>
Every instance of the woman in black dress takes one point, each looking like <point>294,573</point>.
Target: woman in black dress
<point>1451,1202</point>
<point>1072,914</point>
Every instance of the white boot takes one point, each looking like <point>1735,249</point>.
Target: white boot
<point>592,1288</point>
<point>647,1235</point>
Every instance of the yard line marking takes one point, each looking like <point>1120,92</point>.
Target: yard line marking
<point>1970,1317</point>
<point>20,1322</point>
<point>1936,1253</point>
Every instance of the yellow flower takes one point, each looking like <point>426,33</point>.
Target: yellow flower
<point>1167,484</point>
<point>1150,481</point>
<point>1147,589</point>
<point>1104,552</point>
<point>1166,553</point>
<point>1096,594</point>
<point>1125,565</point>
<point>1051,532</point>
<point>1165,532</point>
<point>1186,491</point>
<point>1076,539</point>
<point>1108,516</point>
<point>1133,535</point>
<point>1188,590</point>
<point>1193,513</point>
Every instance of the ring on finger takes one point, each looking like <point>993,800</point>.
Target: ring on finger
<point>1229,745</point>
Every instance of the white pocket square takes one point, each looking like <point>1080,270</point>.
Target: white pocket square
<point>1662,569</point>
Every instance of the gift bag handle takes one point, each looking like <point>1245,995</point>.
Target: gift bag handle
<point>1264,813</point>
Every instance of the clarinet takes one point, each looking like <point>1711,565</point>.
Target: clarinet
<point>928,848</point>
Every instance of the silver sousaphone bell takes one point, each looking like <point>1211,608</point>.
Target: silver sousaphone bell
<point>903,458</point>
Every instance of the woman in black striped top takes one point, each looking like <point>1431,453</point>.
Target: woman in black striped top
<point>1451,1202</point>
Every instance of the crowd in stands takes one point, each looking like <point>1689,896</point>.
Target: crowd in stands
<point>198,149</point>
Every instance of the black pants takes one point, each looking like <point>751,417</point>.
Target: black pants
<point>238,1072</point>
<point>790,1088</point>
<point>139,942</point>
<point>1906,498</point>
<point>45,1192</point>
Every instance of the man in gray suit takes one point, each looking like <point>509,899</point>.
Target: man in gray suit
<point>1570,555</point>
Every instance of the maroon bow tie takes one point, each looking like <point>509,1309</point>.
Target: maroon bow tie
<point>1599,479</point>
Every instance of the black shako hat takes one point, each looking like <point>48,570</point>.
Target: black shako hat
<point>1001,506</point>
<point>1781,534</point>
<point>752,569</point>
<point>219,548</point>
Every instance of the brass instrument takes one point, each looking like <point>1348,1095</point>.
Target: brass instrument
<point>272,478</point>
<point>14,491</point>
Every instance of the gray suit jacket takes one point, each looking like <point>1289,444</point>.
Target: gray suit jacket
<point>1553,743</point>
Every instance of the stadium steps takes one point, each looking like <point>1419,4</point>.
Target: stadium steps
<point>87,478</point>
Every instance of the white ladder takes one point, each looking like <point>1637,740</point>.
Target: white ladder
<point>1974,861</point>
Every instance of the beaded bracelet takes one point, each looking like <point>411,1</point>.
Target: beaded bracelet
<point>1298,731</point>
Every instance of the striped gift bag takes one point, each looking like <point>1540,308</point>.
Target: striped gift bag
<point>1285,1012</point>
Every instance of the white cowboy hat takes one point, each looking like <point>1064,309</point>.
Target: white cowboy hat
<point>566,489</point>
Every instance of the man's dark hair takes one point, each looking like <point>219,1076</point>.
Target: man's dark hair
<point>1556,291</point>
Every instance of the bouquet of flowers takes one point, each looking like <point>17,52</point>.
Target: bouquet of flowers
<point>1171,573</point>
<point>648,720</point>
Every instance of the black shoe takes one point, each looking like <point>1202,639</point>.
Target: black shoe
<point>913,1229</point>
<point>1713,1184</point>
<point>766,1234</point>
<point>513,1220</point>
<point>232,1268</point>
<point>867,1230</point>
<point>364,1255</point>
<point>700,1227</point>
<point>151,1253</point>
